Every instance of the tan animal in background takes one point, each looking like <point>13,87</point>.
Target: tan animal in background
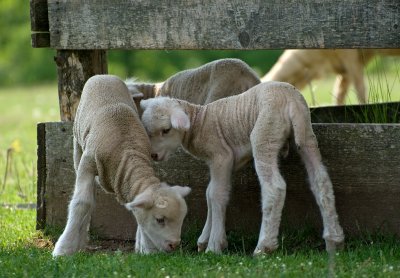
<point>111,149</point>
<point>202,85</point>
<point>300,66</point>
<point>228,133</point>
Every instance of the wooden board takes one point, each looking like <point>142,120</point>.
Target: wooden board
<point>208,24</point>
<point>363,162</point>
<point>39,23</point>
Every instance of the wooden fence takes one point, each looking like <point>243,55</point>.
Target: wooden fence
<point>82,31</point>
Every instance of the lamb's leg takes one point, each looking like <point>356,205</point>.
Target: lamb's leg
<point>138,240</point>
<point>77,159</point>
<point>321,186</point>
<point>269,135</point>
<point>202,242</point>
<point>359,85</point>
<point>75,235</point>
<point>218,197</point>
<point>141,245</point>
<point>273,192</point>
<point>77,155</point>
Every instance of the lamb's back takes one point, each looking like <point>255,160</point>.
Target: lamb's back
<point>237,115</point>
<point>212,81</point>
<point>102,97</point>
<point>108,129</point>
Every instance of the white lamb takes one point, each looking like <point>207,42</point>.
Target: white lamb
<point>226,134</point>
<point>202,85</point>
<point>111,148</point>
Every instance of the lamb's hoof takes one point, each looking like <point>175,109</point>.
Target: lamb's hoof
<point>263,250</point>
<point>63,251</point>
<point>214,250</point>
<point>333,246</point>
<point>217,248</point>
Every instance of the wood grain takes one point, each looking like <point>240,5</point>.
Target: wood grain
<point>40,36</point>
<point>74,68</point>
<point>362,161</point>
<point>208,24</point>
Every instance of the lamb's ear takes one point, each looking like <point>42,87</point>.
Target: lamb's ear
<point>182,190</point>
<point>179,119</point>
<point>143,200</point>
<point>144,103</point>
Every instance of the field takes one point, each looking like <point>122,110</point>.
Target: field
<point>25,252</point>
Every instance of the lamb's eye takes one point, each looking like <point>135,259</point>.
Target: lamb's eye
<point>160,220</point>
<point>165,131</point>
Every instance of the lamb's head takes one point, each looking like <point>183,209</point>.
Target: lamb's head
<point>159,215</point>
<point>165,121</point>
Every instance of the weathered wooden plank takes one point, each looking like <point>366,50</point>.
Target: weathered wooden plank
<point>41,177</point>
<point>40,36</point>
<point>75,67</point>
<point>362,161</point>
<point>227,24</point>
<point>39,40</point>
<point>39,18</point>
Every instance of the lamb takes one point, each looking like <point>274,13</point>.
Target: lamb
<point>202,85</point>
<point>300,66</point>
<point>111,149</point>
<point>226,134</point>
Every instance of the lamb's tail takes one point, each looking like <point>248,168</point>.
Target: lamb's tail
<point>299,114</point>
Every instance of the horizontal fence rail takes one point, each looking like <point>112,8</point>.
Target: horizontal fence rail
<point>209,24</point>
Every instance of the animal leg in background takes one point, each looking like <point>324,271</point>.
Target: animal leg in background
<point>340,89</point>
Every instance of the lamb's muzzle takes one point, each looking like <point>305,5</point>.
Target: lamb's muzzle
<point>226,134</point>
<point>111,149</point>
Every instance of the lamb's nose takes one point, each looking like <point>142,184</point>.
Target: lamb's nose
<point>154,156</point>
<point>173,244</point>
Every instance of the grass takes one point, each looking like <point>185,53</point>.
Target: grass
<point>25,252</point>
<point>21,109</point>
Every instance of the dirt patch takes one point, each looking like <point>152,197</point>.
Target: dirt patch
<point>93,246</point>
<point>111,246</point>
<point>42,242</point>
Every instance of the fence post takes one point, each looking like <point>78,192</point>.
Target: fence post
<point>74,68</point>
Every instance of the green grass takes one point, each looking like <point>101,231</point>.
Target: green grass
<point>21,109</point>
<point>20,256</point>
<point>25,252</point>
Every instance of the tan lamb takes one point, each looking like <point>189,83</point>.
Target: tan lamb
<point>111,149</point>
<point>300,66</point>
<point>202,85</point>
<point>226,134</point>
